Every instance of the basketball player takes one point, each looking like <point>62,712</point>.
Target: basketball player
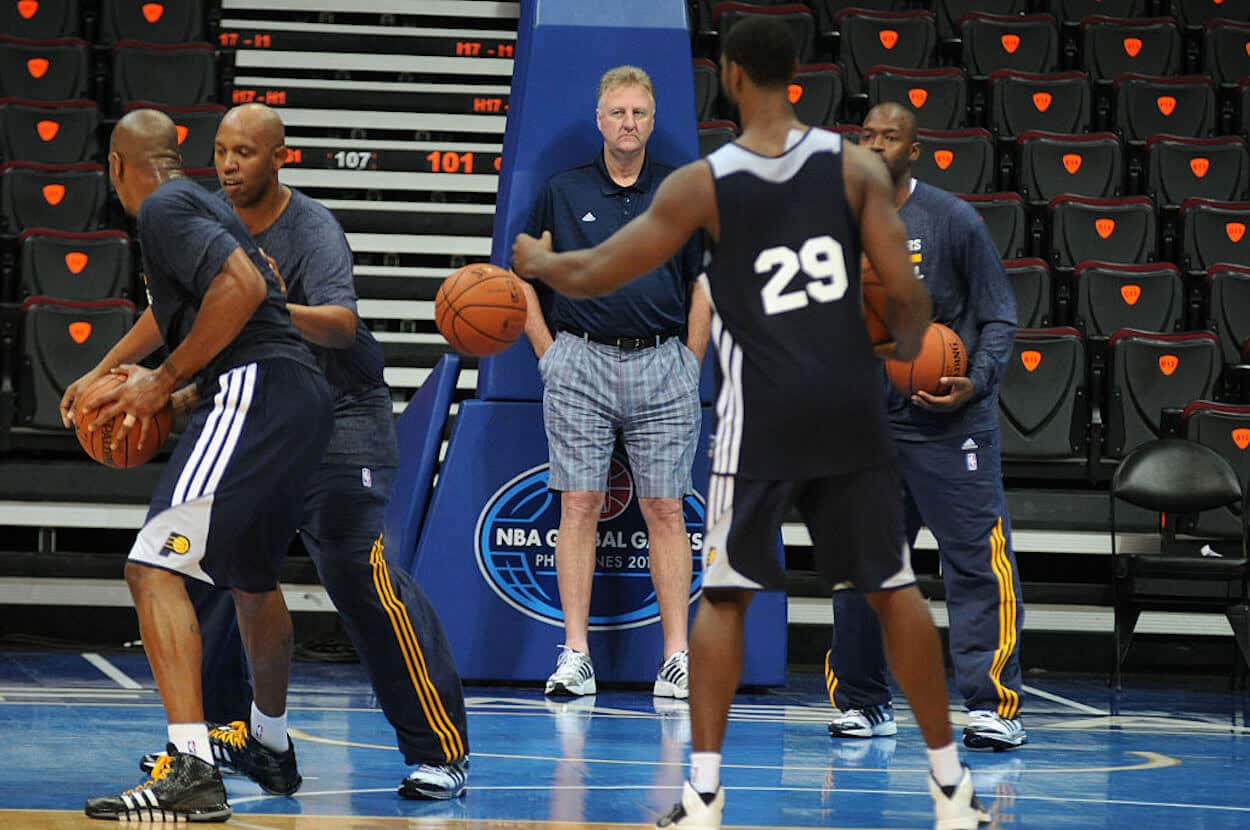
<point>801,413</point>
<point>947,447</point>
<point>228,501</point>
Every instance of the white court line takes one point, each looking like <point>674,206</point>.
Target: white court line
<point>1054,698</point>
<point>112,672</point>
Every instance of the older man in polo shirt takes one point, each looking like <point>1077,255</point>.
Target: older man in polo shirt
<point>625,365</point>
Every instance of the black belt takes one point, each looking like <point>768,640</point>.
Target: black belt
<point>626,344</point>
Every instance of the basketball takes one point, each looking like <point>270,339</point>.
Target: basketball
<point>942,355</point>
<point>873,295</point>
<point>480,309</point>
<point>97,443</point>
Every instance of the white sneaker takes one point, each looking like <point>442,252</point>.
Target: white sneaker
<point>873,722</point>
<point>956,808</point>
<point>987,729</point>
<point>673,679</point>
<point>574,675</point>
<point>436,782</point>
<point>693,811</point>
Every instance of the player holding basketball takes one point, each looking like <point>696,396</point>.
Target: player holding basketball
<point>802,417</point>
<point>948,449</point>
<point>229,498</point>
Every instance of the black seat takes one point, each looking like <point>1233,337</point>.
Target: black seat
<point>1224,428</point>
<point>48,132</point>
<point>795,15</point>
<point>45,70</point>
<point>1022,102</point>
<point>40,19</point>
<point>1109,230</point>
<point>1151,372</point>
<point>1030,280</point>
<point>74,266</point>
<point>1111,296</point>
<point>950,13</point>
<point>1175,477</point>
<point>1112,46</point>
<point>1228,308</point>
<point>937,97</point>
<point>713,134</point>
<point>1146,105</point>
<point>1214,232</point>
<point>150,22</point>
<point>66,197</point>
<point>959,161</point>
<point>1072,12</point>
<point>706,89</point>
<point>1004,216</point>
<point>1243,107</point>
<point>1042,399</point>
<point>826,11</point>
<point>1195,14</point>
<point>904,40</point>
<point>1197,168</point>
<point>816,93</point>
<point>1025,43</point>
<point>1051,164</point>
<point>1224,54</point>
<point>62,341</point>
<point>176,75</point>
<point>197,129</point>
<point>205,177</point>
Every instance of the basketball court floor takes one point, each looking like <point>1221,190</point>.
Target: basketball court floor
<point>1160,757</point>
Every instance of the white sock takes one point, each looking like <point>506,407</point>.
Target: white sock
<point>705,772</point>
<point>945,765</point>
<point>270,731</point>
<point>191,739</point>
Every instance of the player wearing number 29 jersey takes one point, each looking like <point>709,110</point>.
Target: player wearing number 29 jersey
<point>800,395</point>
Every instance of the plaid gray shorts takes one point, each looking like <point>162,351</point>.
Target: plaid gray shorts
<point>649,397</point>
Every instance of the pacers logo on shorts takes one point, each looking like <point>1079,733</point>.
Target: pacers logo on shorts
<point>176,543</point>
<point>515,544</point>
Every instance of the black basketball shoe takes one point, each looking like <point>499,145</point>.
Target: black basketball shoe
<point>148,761</point>
<point>182,788</point>
<point>276,772</point>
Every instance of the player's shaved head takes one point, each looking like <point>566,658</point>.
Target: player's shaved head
<point>144,136</point>
<point>248,151</point>
<point>894,113</point>
<point>260,123</point>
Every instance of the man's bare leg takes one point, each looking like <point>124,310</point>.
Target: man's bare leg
<point>671,566</point>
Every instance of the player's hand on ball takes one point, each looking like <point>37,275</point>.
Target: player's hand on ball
<point>74,390</point>
<point>959,391</point>
<point>144,393</point>
<point>527,253</point>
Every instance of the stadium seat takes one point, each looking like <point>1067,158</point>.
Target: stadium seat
<point>68,197</point>
<point>1243,99</point>
<point>74,266</point>
<point>713,134</point>
<point>1030,279</point>
<point>1197,168</point>
<point>1150,373</point>
<point>849,132</point>
<point>1108,230</point>
<point>40,19</point>
<point>1042,399</point>
<point>949,13</point>
<point>1111,296</point>
<point>937,97</point>
<point>826,11</point>
<point>904,40</point>
<point>1224,428</point>
<point>1022,102</point>
<point>176,75</point>
<point>1050,165</point>
<point>796,15</point>
<point>1072,12</point>
<point>45,70</point>
<point>958,161</point>
<point>48,132</point>
<point>1025,43</point>
<point>1112,46</point>
<point>1196,13</point>
<point>1214,232</point>
<point>816,93</point>
<point>62,341</point>
<point>1004,216</point>
<point>197,129</point>
<point>181,21</point>
<point>205,177</point>
<point>1147,105</point>
<point>1228,308</point>
<point>706,89</point>
<point>1225,56</point>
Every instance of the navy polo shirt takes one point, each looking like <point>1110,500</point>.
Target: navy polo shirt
<point>583,207</point>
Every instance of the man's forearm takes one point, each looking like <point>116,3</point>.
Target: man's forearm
<point>699,321</point>
<point>329,326</point>
<point>228,304</point>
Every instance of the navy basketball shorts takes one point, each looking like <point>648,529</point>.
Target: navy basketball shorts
<point>229,500</point>
<point>855,521</point>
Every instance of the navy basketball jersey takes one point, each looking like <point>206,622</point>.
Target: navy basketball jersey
<point>800,389</point>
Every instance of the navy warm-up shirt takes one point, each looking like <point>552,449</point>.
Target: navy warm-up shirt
<point>583,207</point>
<point>955,256</point>
<point>187,234</point>
<point>315,261</point>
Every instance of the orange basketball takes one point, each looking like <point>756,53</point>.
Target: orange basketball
<point>872,293</point>
<point>942,355</point>
<point>97,443</point>
<point>480,309</point>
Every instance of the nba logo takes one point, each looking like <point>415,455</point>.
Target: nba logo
<point>366,476</point>
<point>971,460</point>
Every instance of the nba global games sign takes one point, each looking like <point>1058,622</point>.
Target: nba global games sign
<point>515,542</point>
